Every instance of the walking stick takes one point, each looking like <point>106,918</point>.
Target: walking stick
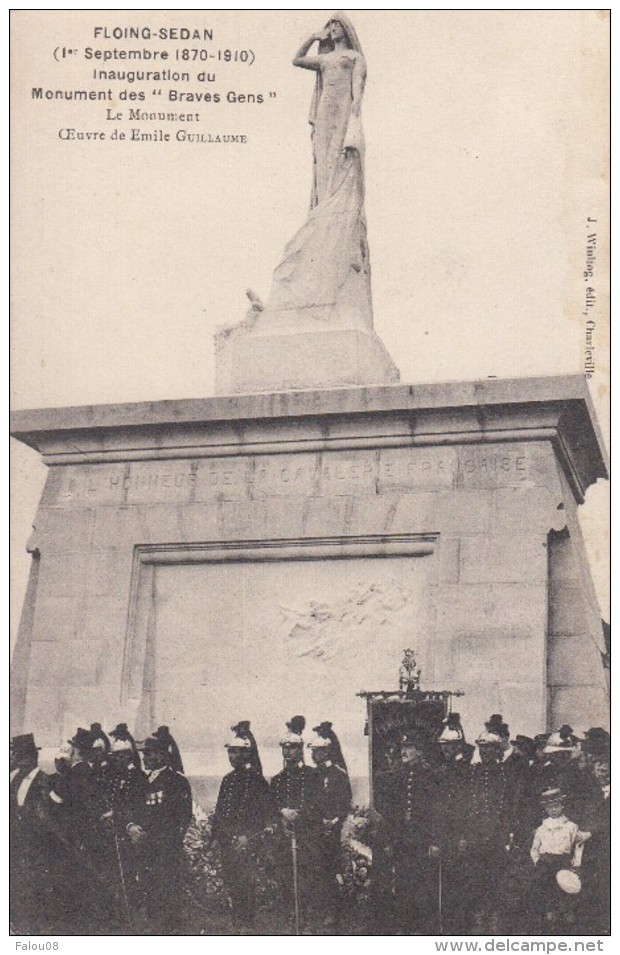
<point>122,875</point>
<point>440,900</point>
<point>295,880</point>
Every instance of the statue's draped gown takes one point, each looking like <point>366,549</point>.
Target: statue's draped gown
<point>325,270</point>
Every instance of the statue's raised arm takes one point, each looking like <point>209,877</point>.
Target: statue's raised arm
<point>302,59</point>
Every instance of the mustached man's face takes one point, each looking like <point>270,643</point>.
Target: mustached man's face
<point>153,760</point>
<point>236,758</point>
<point>410,755</point>
<point>490,753</point>
<point>292,753</point>
<point>320,754</point>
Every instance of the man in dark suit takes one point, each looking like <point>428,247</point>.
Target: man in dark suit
<point>335,804</point>
<point>414,822</point>
<point>91,895</point>
<point>244,809</point>
<point>31,846</point>
<point>296,792</point>
<point>596,865</point>
<point>491,818</point>
<point>157,831</point>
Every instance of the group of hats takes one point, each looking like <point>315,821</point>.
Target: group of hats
<point>88,741</point>
<point>324,738</point>
<point>120,740</point>
<point>595,742</point>
<point>242,739</point>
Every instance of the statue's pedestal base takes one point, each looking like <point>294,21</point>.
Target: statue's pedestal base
<point>249,362</point>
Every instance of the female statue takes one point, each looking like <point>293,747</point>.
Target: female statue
<point>326,269</point>
<point>337,141</point>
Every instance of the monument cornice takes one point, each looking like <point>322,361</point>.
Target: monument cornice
<point>558,409</point>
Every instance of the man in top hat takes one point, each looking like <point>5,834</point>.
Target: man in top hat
<point>297,794</point>
<point>414,824</point>
<point>157,831</point>
<point>488,828</point>
<point>31,845</point>
<point>596,743</point>
<point>244,809</point>
<point>335,804</point>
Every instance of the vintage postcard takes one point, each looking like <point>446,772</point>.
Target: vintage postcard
<point>310,364</point>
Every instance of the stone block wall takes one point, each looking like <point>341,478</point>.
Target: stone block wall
<point>474,512</point>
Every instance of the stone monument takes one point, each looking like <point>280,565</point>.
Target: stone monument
<point>317,328</point>
<point>309,528</point>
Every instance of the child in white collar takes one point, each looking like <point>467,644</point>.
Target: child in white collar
<point>557,839</point>
<point>557,845</point>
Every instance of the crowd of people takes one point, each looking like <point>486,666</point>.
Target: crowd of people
<point>507,836</point>
<point>504,836</point>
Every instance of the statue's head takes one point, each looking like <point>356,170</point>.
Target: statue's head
<point>339,28</point>
<point>336,31</point>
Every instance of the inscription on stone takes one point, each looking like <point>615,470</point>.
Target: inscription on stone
<point>151,480</point>
<point>310,475</point>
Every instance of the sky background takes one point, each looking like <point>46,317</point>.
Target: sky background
<point>486,138</point>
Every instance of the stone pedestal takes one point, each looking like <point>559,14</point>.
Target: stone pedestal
<point>247,361</point>
<point>253,556</point>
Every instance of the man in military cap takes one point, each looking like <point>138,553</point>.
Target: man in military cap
<point>244,809</point>
<point>382,816</point>
<point>455,777</point>
<point>415,829</point>
<point>297,794</point>
<point>31,847</point>
<point>174,755</point>
<point>125,794</point>
<point>334,808</point>
<point>157,831</point>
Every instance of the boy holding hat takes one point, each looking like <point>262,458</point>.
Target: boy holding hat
<point>557,847</point>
